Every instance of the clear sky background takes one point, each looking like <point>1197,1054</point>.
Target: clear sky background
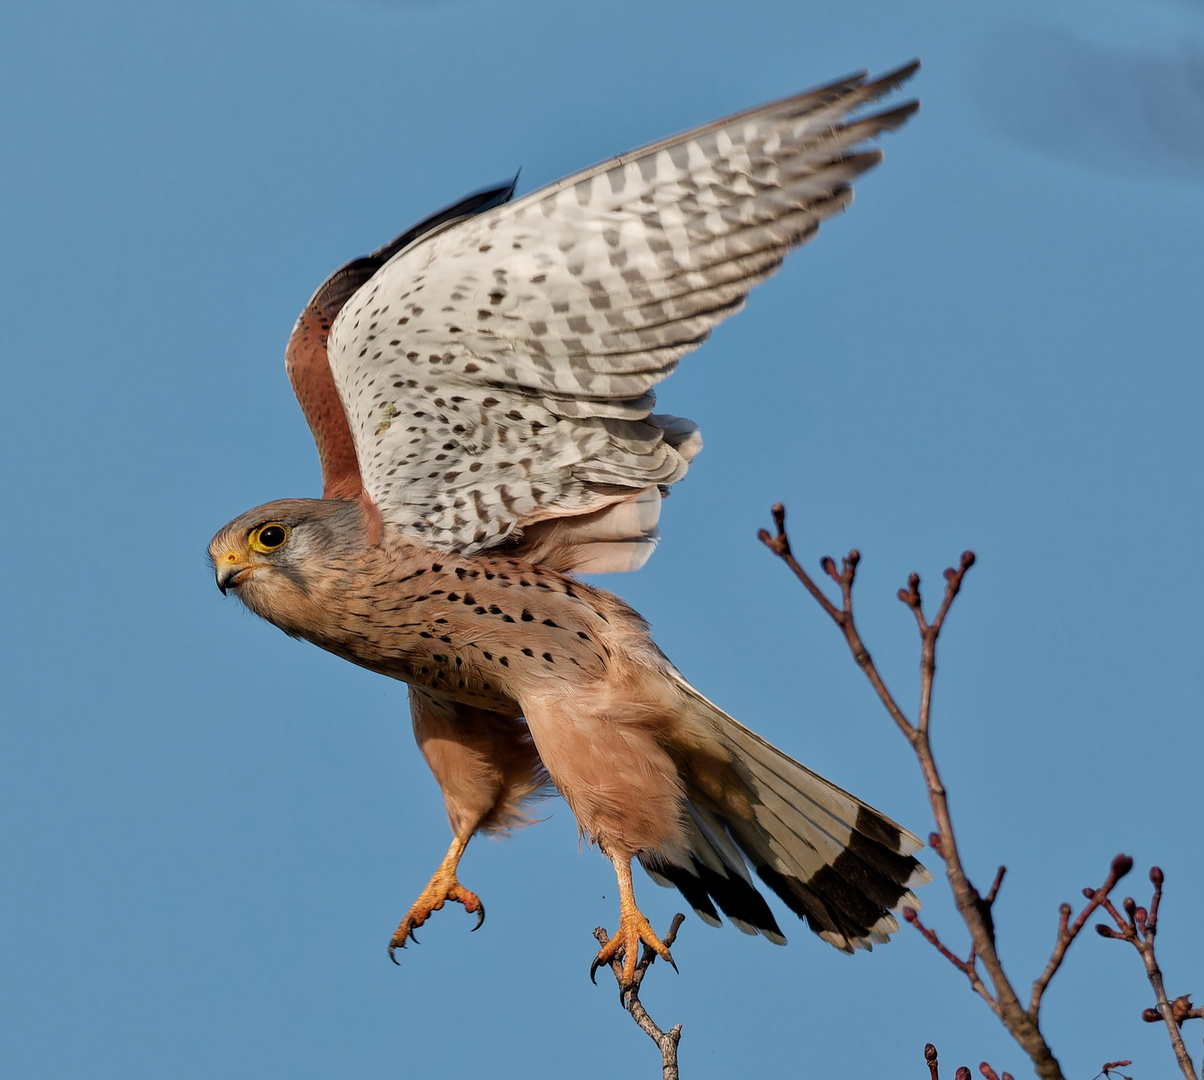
<point>208,831</point>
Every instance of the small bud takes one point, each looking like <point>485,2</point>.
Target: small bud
<point>1140,916</point>
<point>828,565</point>
<point>968,559</point>
<point>913,582</point>
<point>854,557</point>
<point>909,913</point>
<point>1151,1016</point>
<point>1089,893</point>
<point>962,1073</point>
<point>929,1053</point>
<point>1105,931</point>
<point>1156,876</point>
<point>987,1071</point>
<point>1130,906</point>
<point>934,842</point>
<point>1008,1076</point>
<point>1180,1007</point>
<point>1121,865</point>
<point>1065,911</point>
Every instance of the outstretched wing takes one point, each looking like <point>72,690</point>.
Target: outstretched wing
<point>497,374</point>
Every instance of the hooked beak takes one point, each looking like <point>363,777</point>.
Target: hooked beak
<point>230,577</point>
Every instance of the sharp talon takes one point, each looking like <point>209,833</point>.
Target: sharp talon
<point>442,888</point>
<point>392,950</point>
<point>633,931</point>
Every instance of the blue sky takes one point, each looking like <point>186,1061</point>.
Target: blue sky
<point>208,831</point>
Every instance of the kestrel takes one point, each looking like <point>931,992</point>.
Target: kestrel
<point>480,392</point>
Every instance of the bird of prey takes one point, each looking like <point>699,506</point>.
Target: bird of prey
<point>481,394</point>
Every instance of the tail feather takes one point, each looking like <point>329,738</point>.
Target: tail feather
<point>716,875</point>
<point>838,864</point>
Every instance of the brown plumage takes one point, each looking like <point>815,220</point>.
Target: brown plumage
<point>480,395</point>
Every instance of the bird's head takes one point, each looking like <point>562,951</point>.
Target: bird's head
<point>279,558</point>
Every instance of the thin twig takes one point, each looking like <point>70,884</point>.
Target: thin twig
<point>1121,865</point>
<point>969,967</point>
<point>666,1041</point>
<point>843,615</point>
<point>974,910</point>
<point>1139,929</point>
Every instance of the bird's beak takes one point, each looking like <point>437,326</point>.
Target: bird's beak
<point>231,572</point>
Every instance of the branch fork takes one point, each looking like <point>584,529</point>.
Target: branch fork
<point>1139,927</point>
<point>973,908</point>
<point>629,998</point>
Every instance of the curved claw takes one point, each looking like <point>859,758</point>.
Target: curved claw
<point>633,931</point>
<point>443,887</point>
<point>394,945</point>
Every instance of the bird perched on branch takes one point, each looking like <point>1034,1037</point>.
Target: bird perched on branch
<point>481,394</point>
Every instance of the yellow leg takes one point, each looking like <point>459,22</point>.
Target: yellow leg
<point>633,929</point>
<point>443,887</point>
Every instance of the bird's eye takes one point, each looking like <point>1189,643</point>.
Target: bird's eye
<point>268,537</point>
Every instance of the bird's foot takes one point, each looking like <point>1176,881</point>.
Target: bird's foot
<point>633,929</point>
<point>443,887</point>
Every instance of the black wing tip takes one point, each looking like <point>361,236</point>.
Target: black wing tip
<point>902,73</point>
<point>883,85</point>
<point>860,81</point>
<point>486,198</point>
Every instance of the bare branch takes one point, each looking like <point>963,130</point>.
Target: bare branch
<point>666,1041</point>
<point>1121,865</point>
<point>969,967</point>
<point>842,616</point>
<point>1138,925</point>
<point>995,885</point>
<point>1138,928</point>
<point>974,910</point>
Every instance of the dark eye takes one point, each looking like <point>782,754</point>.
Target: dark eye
<point>271,536</point>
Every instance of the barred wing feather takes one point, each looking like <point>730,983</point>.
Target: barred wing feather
<point>499,372</point>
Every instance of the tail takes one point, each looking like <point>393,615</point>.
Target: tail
<point>838,864</point>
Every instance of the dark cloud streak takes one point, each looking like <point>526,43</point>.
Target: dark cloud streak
<point>1130,112</point>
